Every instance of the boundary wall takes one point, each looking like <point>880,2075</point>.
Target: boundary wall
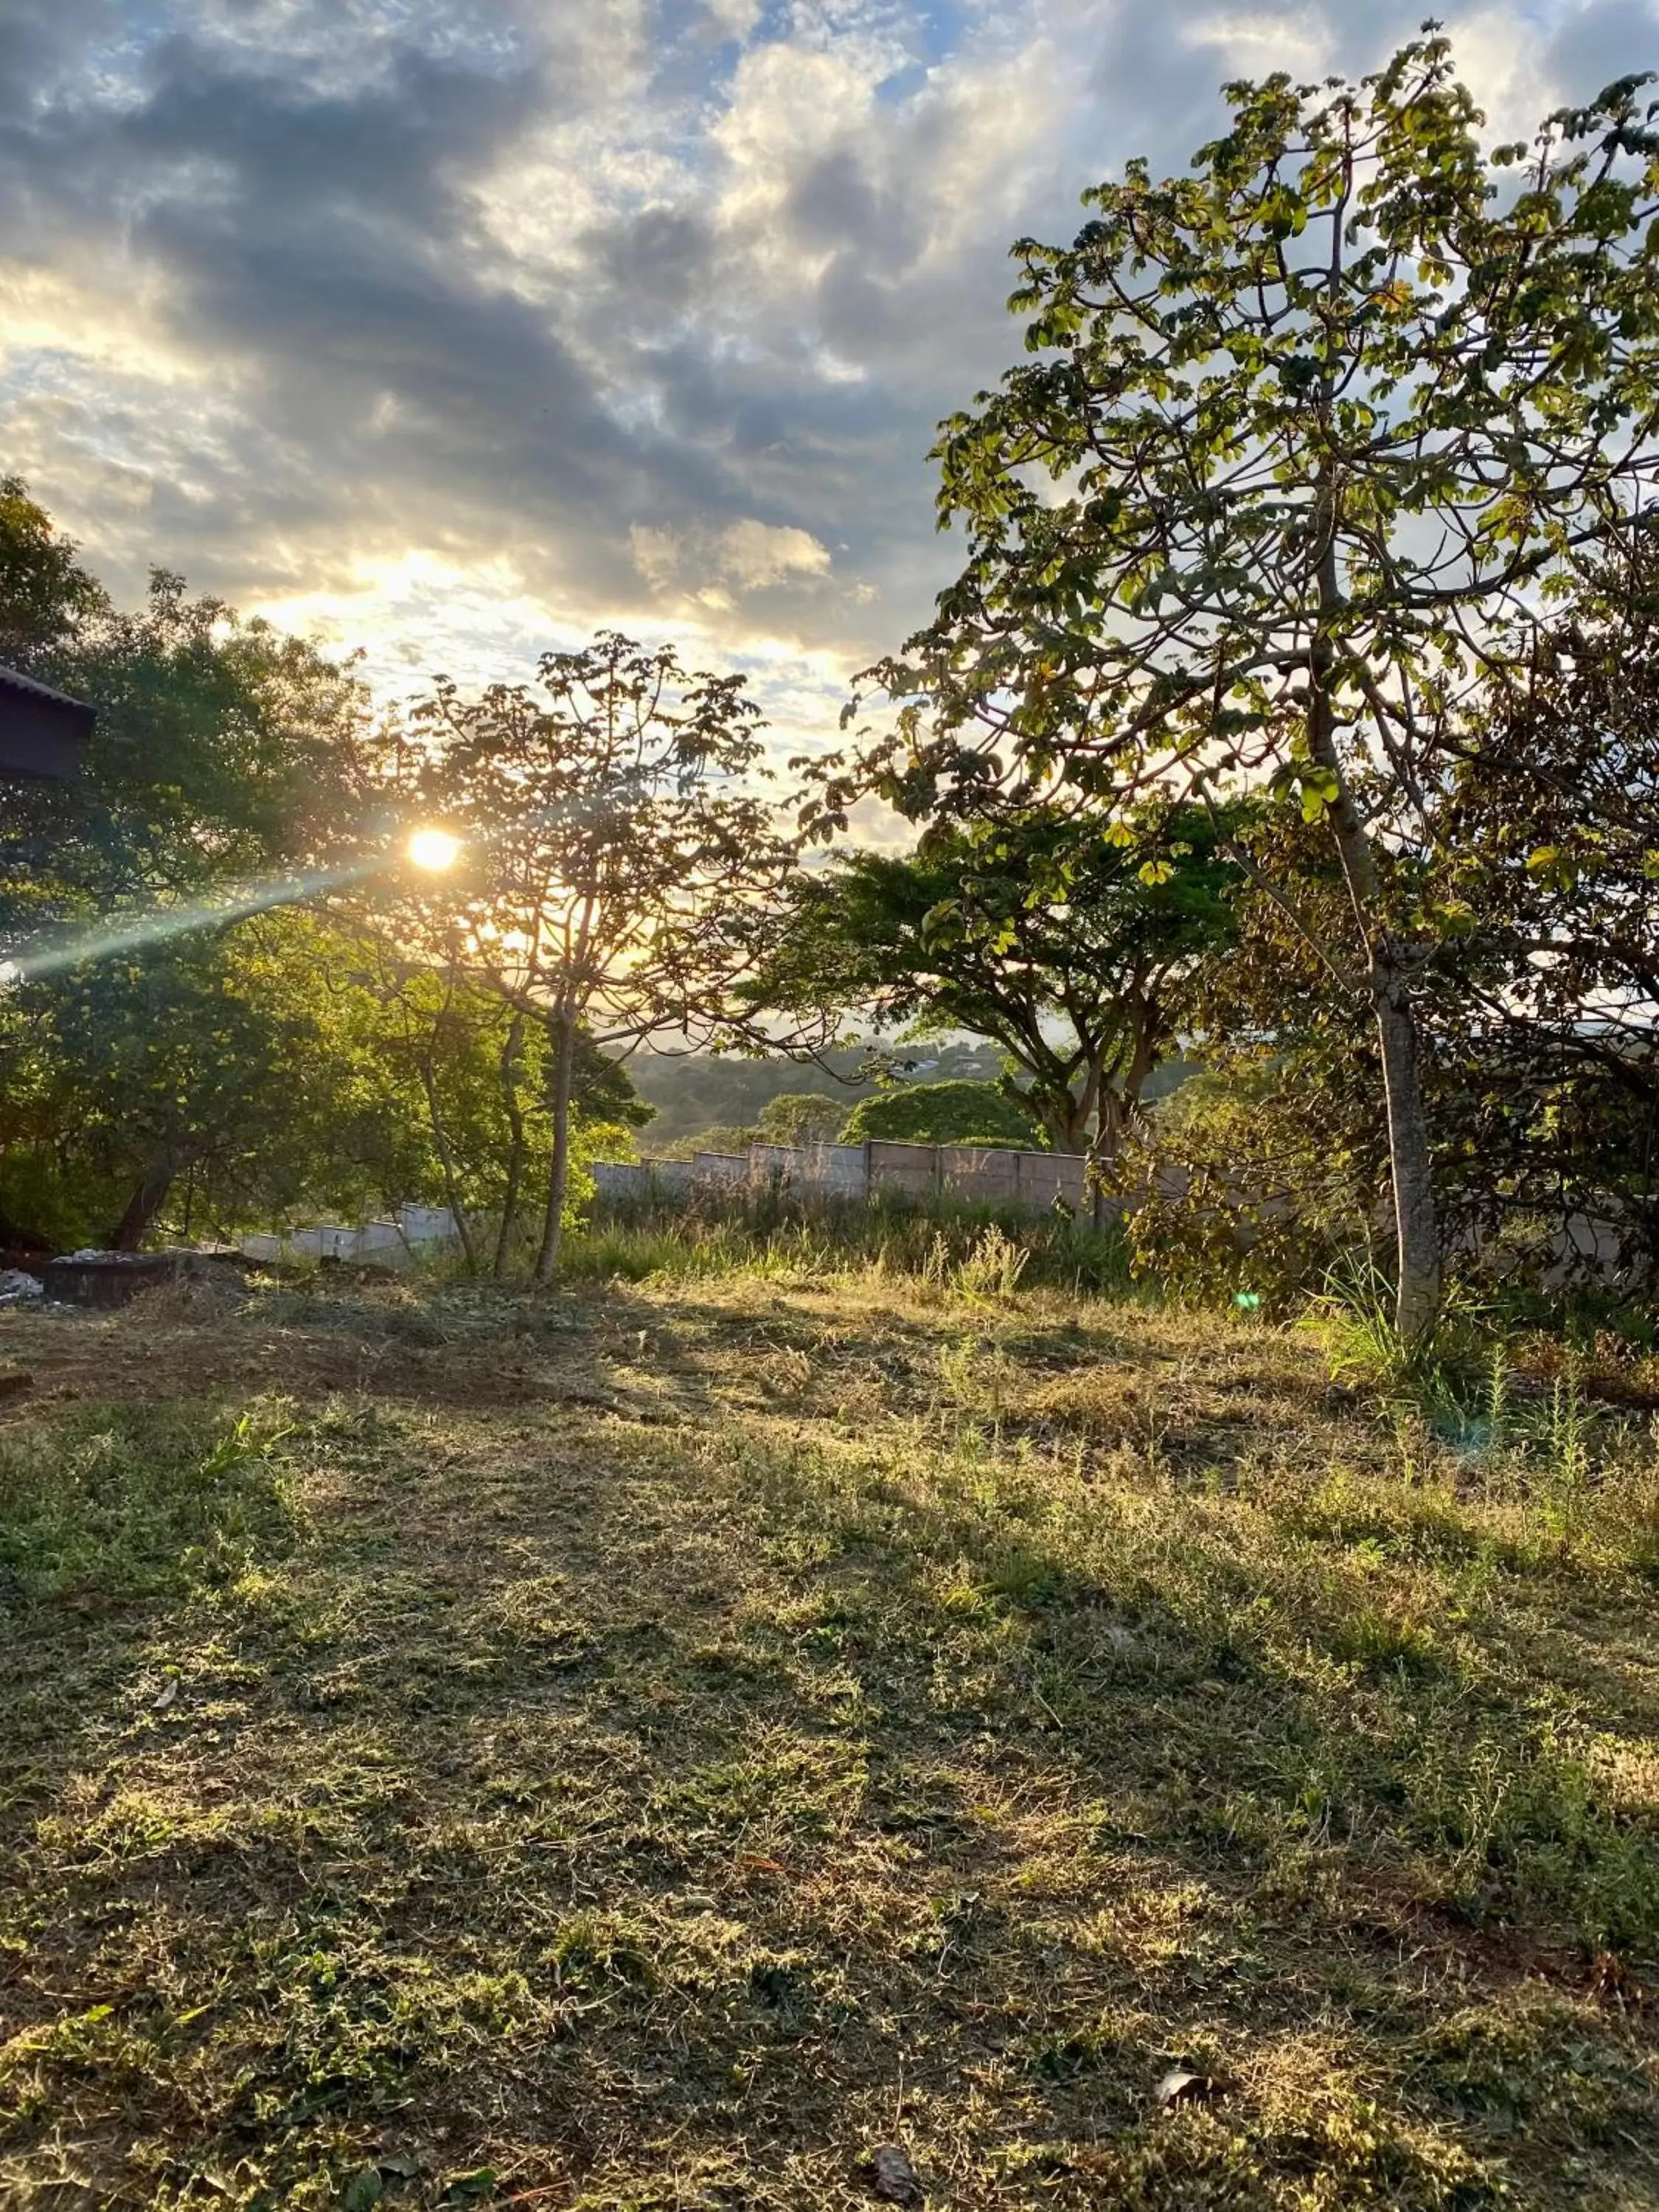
<point>390,1242</point>
<point>1028,1182</point>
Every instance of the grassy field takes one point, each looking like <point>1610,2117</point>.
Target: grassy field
<point>645,1748</point>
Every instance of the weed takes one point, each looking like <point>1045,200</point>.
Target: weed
<point>1354,1312</point>
<point>132,1501</point>
<point>992,1270</point>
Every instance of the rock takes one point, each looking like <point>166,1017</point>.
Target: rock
<point>892,2177</point>
<point>17,1286</point>
<point>1181,2085</point>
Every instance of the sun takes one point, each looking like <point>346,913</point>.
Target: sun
<point>433,849</point>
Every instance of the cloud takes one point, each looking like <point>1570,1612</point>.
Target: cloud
<point>462,326</point>
<point>748,555</point>
<point>1603,41</point>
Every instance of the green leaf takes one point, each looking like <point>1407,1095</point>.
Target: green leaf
<point>470,2188</point>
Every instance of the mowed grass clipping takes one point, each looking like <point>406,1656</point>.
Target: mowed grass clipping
<point>650,1747</point>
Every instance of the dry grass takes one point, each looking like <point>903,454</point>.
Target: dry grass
<point>644,1749</point>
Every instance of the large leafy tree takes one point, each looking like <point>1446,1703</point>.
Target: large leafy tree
<point>148,1041</point>
<point>619,853</point>
<point>1032,931</point>
<point>1548,832</point>
<point>481,1068</point>
<point>1303,437</point>
<point>801,1117</point>
<point>949,1113</point>
<point>224,751</point>
<point>234,1065</point>
<point>1549,849</point>
<point>46,596</point>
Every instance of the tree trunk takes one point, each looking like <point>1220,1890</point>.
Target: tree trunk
<point>447,1161</point>
<point>510,1053</point>
<point>146,1202</point>
<point>1416,1229</point>
<point>1411,1172</point>
<point>564,1062</point>
<point>1119,1109</point>
<point>1068,1132</point>
<point>1120,1105</point>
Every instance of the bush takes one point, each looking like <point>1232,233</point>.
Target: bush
<point>945,1114</point>
<point>1255,1178</point>
<point>800,1117</point>
<point>720,1137</point>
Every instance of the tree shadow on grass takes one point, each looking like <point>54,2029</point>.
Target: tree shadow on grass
<point>630,1807</point>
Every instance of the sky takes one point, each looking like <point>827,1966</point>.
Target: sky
<point>456,329</point>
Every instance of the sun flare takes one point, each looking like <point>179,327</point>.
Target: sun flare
<point>433,849</point>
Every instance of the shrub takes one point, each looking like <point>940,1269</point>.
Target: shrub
<point>945,1114</point>
<point>1254,1178</point>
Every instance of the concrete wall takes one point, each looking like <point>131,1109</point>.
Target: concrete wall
<point>1034,1183</point>
<point>391,1243</point>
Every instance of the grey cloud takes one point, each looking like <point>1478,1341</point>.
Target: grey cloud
<point>393,145</point>
<point>323,242</point>
<point>656,262</point>
<point>38,42</point>
<point>386,373</point>
<point>1608,39</point>
<point>835,202</point>
<point>1158,68</point>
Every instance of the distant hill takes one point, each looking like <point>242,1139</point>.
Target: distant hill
<point>707,1090</point>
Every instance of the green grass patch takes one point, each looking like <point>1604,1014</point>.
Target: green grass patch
<point>823,1704</point>
<point>135,1501</point>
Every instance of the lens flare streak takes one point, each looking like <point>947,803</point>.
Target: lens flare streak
<point>133,934</point>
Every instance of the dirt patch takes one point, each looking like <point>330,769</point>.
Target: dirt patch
<point>182,1343</point>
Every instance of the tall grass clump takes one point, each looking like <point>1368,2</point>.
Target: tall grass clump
<point>977,1251</point>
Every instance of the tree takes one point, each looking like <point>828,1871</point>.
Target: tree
<point>481,1068</point>
<point>226,758</point>
<point>1321,422</point>
<point>224,753</point>
<point>944,1114</point>
<point>1548,831</point>
<point>691,1092</point>
<point>1549,847</point>
<point>729,1137</point>
<point>800,1117</point>
<point>618,858</point>
<point>229,1061</point>
<point>45,595</point>
<point>1032,931</point>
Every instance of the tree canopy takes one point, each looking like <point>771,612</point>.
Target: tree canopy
<point>618,852</point>
<point>1029,928</point>
<point>945,1114</point>
<point>167,1047</point>
<point>1321,422</point>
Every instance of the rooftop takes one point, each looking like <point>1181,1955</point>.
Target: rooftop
<point>13,680</point>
